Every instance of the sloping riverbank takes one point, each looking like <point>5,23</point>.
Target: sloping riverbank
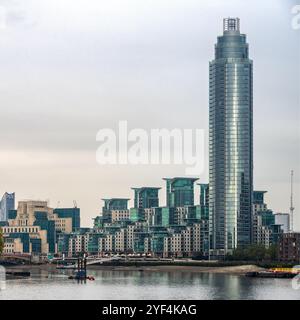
<point>238,269</point>
<point>242,269</point>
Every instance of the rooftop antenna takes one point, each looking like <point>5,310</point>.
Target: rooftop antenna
<point>292,205</point>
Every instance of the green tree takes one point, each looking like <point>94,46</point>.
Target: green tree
<point>254,252</point>
<point>1,241</point>
<point>272,252</point>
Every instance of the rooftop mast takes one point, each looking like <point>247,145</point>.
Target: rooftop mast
<point>292,205</point>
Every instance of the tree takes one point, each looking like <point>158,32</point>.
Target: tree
<point>254,252</point>
<point>272,252</point>
<point>1,241</point>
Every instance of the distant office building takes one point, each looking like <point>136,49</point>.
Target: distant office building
<point>289,247</point>
<point>114,204</point>
<point>265,229</point>
<point>230,141</point>
<point>7,203</point>
<point>113,210</point>
<point>176,231</point>
<point>283,219</point>
<point>259,201</point>
<point>180,209</point>
<point>73,213</point>
<point>12,245</point>
<point>183,242</point>
<point>180,191</point>
<point>159,216</point>
<point>33,228</point>
<point>144,199</point>
<point>259,205</point>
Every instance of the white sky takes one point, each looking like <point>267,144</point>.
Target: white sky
<point>72,67</point>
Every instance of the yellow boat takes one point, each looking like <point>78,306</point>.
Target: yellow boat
<point>294,270</point>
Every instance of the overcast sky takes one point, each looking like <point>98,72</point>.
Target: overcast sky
<point>71,67</point>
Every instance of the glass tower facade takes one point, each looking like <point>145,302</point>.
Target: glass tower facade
<point>180,191</point>
<point>114,204</point>
<point>73,213</point>
<point>146,197</point>
<point>7,203</point>
<point>230,141</point>
<point>111,205</point>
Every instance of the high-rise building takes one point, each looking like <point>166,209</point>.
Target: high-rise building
<point>283,219</point>
<point>7,203</point>
<point>204,218</point>
<point>230,141</point>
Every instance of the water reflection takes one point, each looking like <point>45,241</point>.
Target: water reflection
<point>116,284</point>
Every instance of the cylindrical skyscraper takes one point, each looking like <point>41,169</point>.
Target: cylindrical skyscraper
<point>230,141</point>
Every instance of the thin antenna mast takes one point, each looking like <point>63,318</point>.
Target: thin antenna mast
<point>292,205</point>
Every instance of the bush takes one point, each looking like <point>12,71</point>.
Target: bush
<point>255,252</point>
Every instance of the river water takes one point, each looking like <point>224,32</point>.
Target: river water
<point>147,285</point>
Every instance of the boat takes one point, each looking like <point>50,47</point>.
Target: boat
<point>251,274</point>
<point>17,274</point>
<point>283,273</point>
<point>81,275</point>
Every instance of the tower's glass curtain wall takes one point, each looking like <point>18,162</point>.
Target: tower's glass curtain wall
<point>230,141</point>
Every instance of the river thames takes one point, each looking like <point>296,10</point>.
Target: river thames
<point>115,285</point>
